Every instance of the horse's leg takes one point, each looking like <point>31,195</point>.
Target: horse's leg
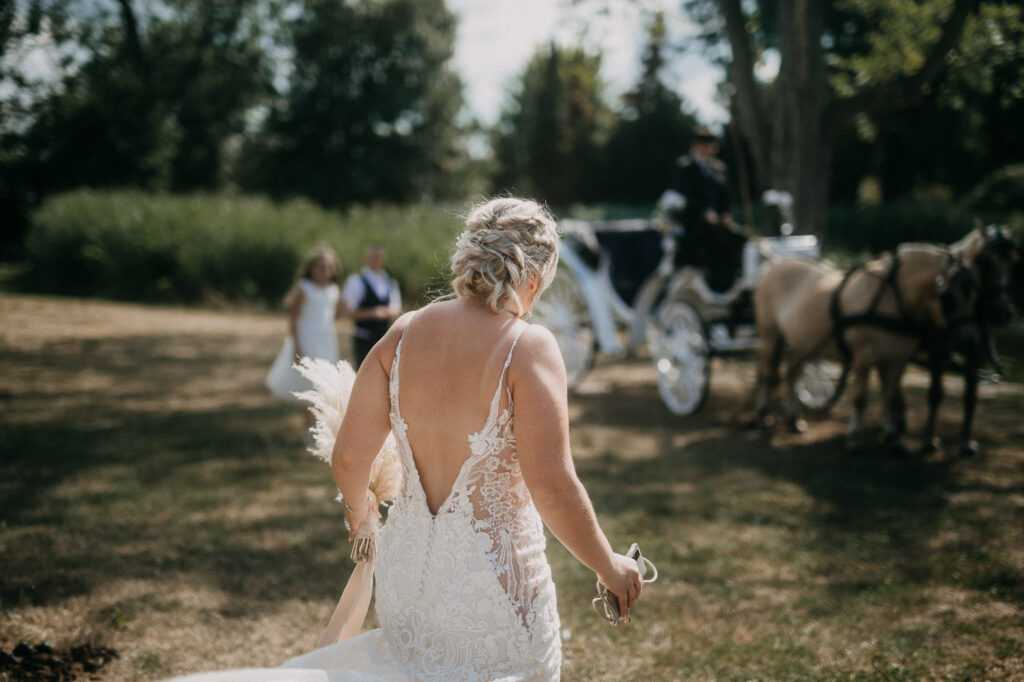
<point>793,420</point>
<point>769,355</point>
<point>969,446</point>
<point>893,424</point>
<point>898,404</point>
<point>936,361</point>
<point>855,431</point>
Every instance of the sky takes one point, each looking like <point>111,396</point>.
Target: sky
<point>496,39</point>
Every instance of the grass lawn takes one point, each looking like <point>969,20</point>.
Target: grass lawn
<point>155,499</point>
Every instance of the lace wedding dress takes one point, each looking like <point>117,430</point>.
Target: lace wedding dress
<point>464,594</point>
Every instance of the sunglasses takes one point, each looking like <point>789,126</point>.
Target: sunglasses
<point>607,604</point>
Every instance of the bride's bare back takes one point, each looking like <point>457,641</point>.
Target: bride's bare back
<point>452,357</point>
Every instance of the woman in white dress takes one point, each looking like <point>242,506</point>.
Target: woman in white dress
<point>476,398</point>
<point>314,303</point>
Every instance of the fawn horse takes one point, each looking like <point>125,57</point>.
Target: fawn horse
<point>875,315</point>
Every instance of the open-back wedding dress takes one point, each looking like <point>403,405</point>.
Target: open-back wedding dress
<point>463,594</point>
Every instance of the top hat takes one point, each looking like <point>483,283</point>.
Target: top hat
<point>703,134</point>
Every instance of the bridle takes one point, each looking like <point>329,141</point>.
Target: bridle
<point>997,245</point>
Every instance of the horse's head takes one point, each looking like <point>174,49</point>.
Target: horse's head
<point>994,265</point>
<point>958,291</point>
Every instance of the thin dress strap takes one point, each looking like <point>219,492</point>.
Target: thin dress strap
<point>393,379</point>
<point>501,379</point>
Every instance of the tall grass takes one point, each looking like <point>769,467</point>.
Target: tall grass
<point>131,245</point>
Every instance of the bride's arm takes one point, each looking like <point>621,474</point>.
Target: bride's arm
<point>541,424</point>
<point>365,427</point>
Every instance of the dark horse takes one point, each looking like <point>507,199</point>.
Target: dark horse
<point>995,260</point>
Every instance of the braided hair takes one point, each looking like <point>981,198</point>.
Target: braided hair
<point>506,243</point>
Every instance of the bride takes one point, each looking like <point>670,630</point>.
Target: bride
<point>476,399</point>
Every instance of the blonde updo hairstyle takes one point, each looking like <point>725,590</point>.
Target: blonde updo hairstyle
<point>506,242</point>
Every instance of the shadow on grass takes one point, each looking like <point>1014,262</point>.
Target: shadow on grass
<point>159,460</point>
<point>112,467</point>
<point>184,495</point>
<point>863,521</point>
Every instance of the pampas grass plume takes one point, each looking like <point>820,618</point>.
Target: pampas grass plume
<point>332,388</point>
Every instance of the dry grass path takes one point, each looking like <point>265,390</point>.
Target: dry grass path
<point>155,499</point>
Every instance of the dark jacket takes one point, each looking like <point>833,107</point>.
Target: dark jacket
<point>704,186</point>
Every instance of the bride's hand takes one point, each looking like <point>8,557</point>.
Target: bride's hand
<point>356,515</point>
<point>624,581</point>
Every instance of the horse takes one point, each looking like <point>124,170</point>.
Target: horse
<point>995,260</point>
<point>874,315</point>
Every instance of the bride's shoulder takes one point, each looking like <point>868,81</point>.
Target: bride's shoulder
<point>536,352</point>
<point>401,323</point>
<point>386,348</point>
<point>537,339</point>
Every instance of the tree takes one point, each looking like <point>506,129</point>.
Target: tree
<point>139,99</point>
<point>211,69</point>
<point>370,107</point>
<point>650,131</point>
<point>964,128</point>
<point>831,69</point>
<point>548,135</point>
<point>89,122</point>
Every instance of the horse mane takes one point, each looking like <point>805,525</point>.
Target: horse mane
<point>935,250</point>
<point>971,244</point>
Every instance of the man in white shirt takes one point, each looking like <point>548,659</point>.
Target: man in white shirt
<point>373,300</point>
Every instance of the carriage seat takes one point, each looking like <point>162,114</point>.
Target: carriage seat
<point>633,247</point>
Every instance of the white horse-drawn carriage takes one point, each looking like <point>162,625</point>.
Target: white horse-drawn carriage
<point>621,287</point>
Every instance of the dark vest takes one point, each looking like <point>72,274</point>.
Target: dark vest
<point>372,329</point>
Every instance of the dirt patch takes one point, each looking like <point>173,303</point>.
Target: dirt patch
<point>44,663</point>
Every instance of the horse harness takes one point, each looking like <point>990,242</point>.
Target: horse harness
<point>903,324</point>
<point>995,242</point>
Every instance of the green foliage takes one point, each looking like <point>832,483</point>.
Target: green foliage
<point>650,132</point>
<point>547,140</point>
<point>962,130</point>
<point>211,70</point>
<point>901,33</point>
<point>135,246</point>
<point>370,109</point>
<point>162,98</point>
<point>878,228</point>
<point>149,107</point>
<point>912,93</point>
<point>139,97</point>
<point>1000,194</point>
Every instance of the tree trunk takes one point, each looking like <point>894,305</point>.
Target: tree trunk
<point>133,45</point>
<point>800,160</point>
<point>791,153</point>
<point>794,153</point>
<point>748,105</point>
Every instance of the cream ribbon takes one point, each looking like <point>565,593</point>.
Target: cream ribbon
<point>350,613</point>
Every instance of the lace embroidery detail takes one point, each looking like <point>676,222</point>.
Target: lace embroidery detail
<point>467,594</point>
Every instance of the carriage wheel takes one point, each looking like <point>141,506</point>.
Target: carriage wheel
<point>562,309</point>
<point>819,386</point>
<point>682,358</point>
